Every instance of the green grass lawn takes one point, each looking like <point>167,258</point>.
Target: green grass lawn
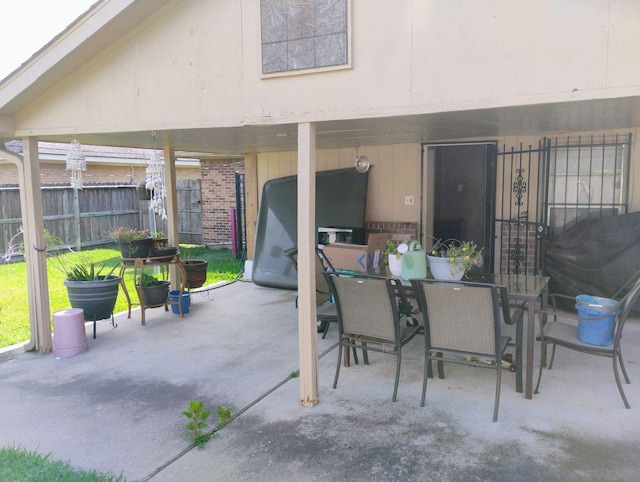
<point>14,309</point>
<point>20,465</point>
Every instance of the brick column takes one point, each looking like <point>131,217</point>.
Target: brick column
<point>218,197</point>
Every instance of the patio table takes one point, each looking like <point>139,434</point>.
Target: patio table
<point>520,288</point>
<point>527,289</point>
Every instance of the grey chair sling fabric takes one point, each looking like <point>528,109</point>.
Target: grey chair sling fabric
<point>368,319</point>
<point>565,333</point>
<point>462,323</point>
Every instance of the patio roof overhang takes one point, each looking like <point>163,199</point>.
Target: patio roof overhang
<point>521,120</point>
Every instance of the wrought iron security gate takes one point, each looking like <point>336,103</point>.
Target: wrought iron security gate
<point>521,216</point>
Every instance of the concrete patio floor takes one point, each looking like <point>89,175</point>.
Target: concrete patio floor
<point>117,406</point>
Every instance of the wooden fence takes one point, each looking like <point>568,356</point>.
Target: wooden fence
<point>83,218</point>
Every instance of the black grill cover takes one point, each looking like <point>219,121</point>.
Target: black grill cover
<point>597,256</point>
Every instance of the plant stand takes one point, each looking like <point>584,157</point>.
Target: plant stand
<point>137,265</point>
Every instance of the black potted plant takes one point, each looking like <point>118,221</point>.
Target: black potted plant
<point>92,290</point>
<point>133,243</point>
<point>152,291</point>
<point>160,249</point>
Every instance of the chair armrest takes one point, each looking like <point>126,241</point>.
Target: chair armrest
<point>517,313</point>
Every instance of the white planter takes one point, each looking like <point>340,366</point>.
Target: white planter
<point>395,265</point>
<point>443,269</point>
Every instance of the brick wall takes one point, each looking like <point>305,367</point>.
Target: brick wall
<point>218,197</point>
<point>522,260</point>
<point>54,173</point>
<point>399,231</point>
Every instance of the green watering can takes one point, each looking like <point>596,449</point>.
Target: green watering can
<point>414,262</point>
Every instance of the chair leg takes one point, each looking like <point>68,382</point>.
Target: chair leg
<point>496,404</point>
<point>617,375</point>
<point>326,328</point>
<point>397,381</point>
<point>425,376</point>
<point>624,371</point>
<point>543,348</point>
<point>365,353</point>
<point>553,355</point>
<point>340,346</point>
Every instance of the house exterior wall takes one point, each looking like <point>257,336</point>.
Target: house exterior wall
<point>396,173</point>
<point>197,64</point>
<point>54,173</point>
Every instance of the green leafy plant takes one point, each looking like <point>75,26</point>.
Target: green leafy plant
<point>78,272</point>
<point>466,253</point>
<point>147,279</point>
<point>224,416</point>
<point>197,416</point>
<point>392,248</point>
<point>196,425</point>
<point>127,235</point>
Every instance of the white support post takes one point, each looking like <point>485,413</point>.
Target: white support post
<point>171,204</point>
<point>35,249</point>
<point>308,336</point>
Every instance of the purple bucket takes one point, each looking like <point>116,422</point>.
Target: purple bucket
<point>69,336</point>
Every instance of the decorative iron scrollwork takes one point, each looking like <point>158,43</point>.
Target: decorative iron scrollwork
<point>519,187</point>
<point>520,219</point>
<point>517,256</point>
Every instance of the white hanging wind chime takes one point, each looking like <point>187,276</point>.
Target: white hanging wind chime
<point>154,182</point>
<point>76,163</point>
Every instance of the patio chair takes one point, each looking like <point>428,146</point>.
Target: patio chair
<point>368,318</point>
<point>566,334</point>
<point>326,311</point>
<point>462,322</point>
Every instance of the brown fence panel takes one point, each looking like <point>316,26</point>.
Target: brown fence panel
<point>86,220</point>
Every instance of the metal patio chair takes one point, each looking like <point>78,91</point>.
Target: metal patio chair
<point>326,308</point>
<point>368,318</point>
<point>462,323</point>
<point>566,334</point>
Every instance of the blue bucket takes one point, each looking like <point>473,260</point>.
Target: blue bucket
<point>184,302</point>
<point>599,332</point>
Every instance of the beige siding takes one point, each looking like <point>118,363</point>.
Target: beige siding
<point>197,63</point>
<point>395,173</point>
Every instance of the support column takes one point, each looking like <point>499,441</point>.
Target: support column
<point>308,336</point>
<point>171,204</point>
<point>35,249</point>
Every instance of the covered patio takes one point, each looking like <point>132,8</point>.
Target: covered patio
<point>192,72</point>
<point>117,406</point>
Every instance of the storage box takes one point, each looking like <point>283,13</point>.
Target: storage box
<point>358,257</point>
